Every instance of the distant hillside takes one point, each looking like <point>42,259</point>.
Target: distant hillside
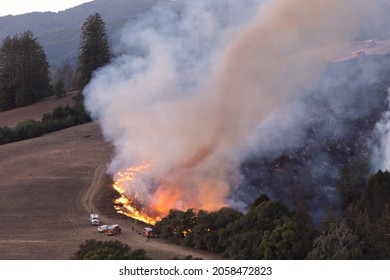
<point>59,33</point>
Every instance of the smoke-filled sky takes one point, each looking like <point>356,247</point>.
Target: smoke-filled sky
<point>197,86</point>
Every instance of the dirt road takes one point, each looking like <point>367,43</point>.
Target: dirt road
<point>49,185</point>
<point>155,248</point>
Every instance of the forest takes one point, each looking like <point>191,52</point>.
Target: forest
<point>270,230</point>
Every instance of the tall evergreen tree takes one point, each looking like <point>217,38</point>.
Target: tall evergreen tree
<point>35,81</point>
<point>8,72</point>
<point>24,71</point>
<point>94,48</point>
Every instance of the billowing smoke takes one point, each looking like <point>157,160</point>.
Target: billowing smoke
<point>197,86</point>
<point>381,149</point>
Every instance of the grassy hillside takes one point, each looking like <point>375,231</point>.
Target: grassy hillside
<point>35,111</point>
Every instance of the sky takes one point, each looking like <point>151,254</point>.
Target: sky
<point>17,7</point>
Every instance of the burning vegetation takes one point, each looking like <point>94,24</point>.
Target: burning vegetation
<point>131,203</point>
<point>268,115</point>
<point>198,90</point>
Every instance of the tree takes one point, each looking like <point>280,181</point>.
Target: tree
<point>242,238</point>
<point>377,194</point>
<point>177,226</point>
<point>66,74</point>
<point>28,129</point>
<point>280,243</point>
<point>24,71</point>
<point>338,242</point>
<point>94,48</point>
<point>7,135</point>
<point>208,226</point>
<point>368,217</point>
<point>8,73</point>
<point>291,240</point>
<point>107,250</point>
<point>382,233</point>
<point>59,88</point>
<point>353,180</point>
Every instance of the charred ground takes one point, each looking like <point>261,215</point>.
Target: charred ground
<point>342,110</point>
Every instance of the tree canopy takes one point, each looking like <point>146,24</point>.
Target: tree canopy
<point>92,249</point>
<point>94,48</point>
<point>24,71</point>
<point>268,231</point>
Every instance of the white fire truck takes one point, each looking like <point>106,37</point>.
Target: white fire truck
<point>94,218</point>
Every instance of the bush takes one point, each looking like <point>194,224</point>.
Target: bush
<point>92,249</point>
<point>28,129</point>
<point>7,135</point>
<point>61,117</point>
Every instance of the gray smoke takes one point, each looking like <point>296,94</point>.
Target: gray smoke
<point>197,86</point>
<point>381,149</point>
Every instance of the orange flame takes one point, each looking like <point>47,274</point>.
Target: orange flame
<point>166,198</point>
<point>131,204</point>
<point>169,193</point>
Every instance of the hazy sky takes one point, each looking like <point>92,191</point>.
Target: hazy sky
<point>16,7</point>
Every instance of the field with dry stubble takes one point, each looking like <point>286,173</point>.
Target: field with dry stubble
<point>48,187</point>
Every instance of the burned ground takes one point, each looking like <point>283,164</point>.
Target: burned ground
<point>342,110</point>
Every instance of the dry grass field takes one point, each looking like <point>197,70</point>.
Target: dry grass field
<point>48,187</point>
<point>11,118</point>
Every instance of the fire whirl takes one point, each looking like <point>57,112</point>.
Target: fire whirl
<point>132,204</point>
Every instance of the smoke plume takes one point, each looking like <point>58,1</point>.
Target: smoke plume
<point>381,149</point>
<point>197,86</point>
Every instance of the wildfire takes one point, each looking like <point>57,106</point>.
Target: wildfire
<point>132,204</point>
<point>147,198</point>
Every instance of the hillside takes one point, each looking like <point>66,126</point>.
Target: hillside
<point>339,131</point>
<point>59,33</point>
<point>46,191</point>
<point>35,111</point>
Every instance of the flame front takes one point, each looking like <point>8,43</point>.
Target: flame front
<point>132,204</point>
<point>147,198</point>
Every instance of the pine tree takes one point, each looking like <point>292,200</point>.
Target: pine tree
<point>35,82</point>
<point>59,90</point>
<point>24,71</point>
<point>8,73</point>
<point>94,48</point>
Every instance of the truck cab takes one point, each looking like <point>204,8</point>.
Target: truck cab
<point>94,218</point>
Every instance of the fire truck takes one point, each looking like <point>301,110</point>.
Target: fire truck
<point>358,53</point>
<point>148,232</point>
<point>113,230</point>
<point>94,218</point>
<point>370,44</point>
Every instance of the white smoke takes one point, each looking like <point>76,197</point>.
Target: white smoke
<point>195,86</point>
<point>381,149</point>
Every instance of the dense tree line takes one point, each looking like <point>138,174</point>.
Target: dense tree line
<point>270,230</point>
<point>24,71</point>
<point>60,118</point>
<point>24,78</point>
